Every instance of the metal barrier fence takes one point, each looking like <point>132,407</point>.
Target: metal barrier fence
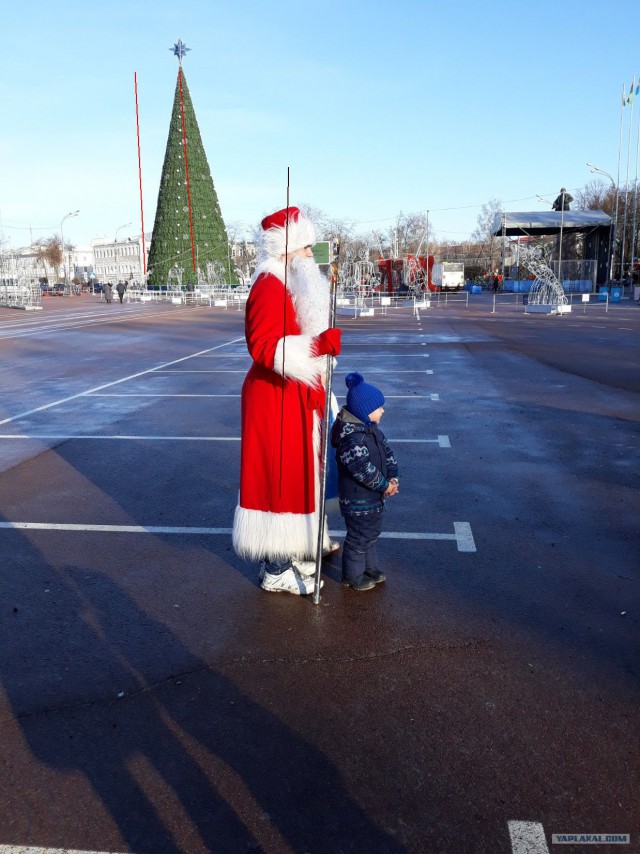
<point>512,300</point>
<point>366,305</point>
<point>356,303</point>
<point>600,300</point>
<point>20,296</point>
<point>223,296</point>
<point>441,298</point>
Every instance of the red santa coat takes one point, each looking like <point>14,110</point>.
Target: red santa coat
<point>279,481</point>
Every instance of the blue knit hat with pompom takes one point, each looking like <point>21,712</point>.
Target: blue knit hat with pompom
<point>362,398</point>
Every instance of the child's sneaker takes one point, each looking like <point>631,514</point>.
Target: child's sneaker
<point>376,574</point>
<point>362,583</point>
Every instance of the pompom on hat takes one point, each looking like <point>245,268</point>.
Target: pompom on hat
<point>277,237</point>
<point>362,398</point>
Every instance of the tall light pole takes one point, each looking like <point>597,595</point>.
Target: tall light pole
<point>64,266</point>
<point>614,229</point>
<point>115,249</point>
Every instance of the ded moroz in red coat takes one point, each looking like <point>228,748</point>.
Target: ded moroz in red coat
<point>277,512</point>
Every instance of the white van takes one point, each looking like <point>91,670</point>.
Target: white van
<point>448,276</point>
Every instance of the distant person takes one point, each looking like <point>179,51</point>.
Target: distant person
<point>121,287</point>
<point>367,475</point>
<point>563,201</point>
<point>108,292</point>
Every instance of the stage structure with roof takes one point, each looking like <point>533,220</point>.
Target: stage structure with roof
<point>576,274</point>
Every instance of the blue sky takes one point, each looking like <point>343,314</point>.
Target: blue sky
<point>376,107</point>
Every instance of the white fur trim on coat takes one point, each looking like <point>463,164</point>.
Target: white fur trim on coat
<point>275,241</point>
<point>258,534</point>
<point>269,265</point>
<point>294,359</point>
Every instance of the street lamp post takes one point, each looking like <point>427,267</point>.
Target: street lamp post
<point>64,266</point>
<point>613,233</point>
<point>115,249</point>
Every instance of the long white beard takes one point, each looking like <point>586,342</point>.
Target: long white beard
<point>309,291</point>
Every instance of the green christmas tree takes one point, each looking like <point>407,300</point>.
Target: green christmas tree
<point>182,209</point>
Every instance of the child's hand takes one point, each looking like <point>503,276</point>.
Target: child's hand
<point>393,488</point>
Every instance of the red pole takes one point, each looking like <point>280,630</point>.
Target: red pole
<point>186,166</point>
<point>144,254</point>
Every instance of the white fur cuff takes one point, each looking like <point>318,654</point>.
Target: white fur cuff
<point>293,359</point>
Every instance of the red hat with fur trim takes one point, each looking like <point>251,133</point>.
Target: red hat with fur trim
<point>285,231</point>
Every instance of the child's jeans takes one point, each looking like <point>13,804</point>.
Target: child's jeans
<point>359,549</point>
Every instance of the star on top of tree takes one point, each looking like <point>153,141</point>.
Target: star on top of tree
<point>179,49</point>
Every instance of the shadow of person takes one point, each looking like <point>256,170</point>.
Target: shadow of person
<point>180,758</point>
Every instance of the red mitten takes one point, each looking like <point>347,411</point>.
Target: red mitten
<point>327,343</point>
<point>315,398</point>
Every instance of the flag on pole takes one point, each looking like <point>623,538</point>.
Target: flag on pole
<point>638,86</point>
<point>633,84</point>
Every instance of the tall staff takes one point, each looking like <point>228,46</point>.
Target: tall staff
<point>626,189</point>
<point>325,437</point>
<point>615,218</point>
<point>144,254</point>
<point>635,188</point>
<point>284,326</point>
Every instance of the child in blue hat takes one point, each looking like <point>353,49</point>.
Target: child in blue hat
<point>367,475</point>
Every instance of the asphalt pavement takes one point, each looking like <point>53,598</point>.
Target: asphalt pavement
<point>153,699</point>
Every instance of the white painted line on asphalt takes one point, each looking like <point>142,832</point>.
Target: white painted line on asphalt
<point>24,849</point>
<point>112,529</point>
<point>111,384</point>
<point>134,394</point>
<point>527,837</point>
<point>65,438</point>
<point>462,536</point>
<point>234,371</point>
<point>344,356</point>
<point>442,441</point>
<point>65,326</point>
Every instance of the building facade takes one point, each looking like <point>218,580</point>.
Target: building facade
<point>104,260</point>
<point>119,260</point>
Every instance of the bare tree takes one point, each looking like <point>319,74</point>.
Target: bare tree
<point>488,245</point>
<point>409,233</point>
<point>49,254</point>
<point>596,196</point>
<point>328,227</point>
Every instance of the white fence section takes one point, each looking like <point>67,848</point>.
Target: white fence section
<point>20,296</point>
<point>222,296</point>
